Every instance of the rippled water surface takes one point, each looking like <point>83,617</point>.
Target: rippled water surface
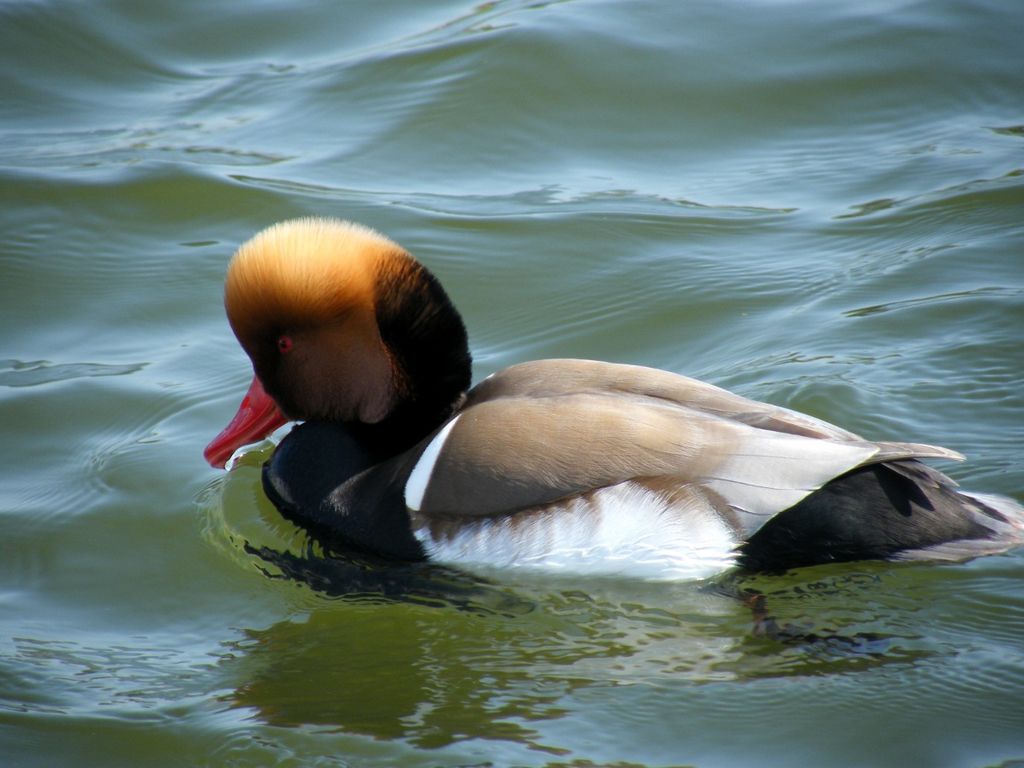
<point>816,204</point>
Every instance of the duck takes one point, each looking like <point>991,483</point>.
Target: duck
<point>558,465</point>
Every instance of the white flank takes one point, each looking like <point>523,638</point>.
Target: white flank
<point>623,530</point>
<point>419,479</point>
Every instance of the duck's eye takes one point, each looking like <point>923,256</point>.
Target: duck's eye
<point>285,344</point>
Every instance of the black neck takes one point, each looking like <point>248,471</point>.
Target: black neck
<point>427,338</point>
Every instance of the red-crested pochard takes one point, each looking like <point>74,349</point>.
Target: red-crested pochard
<point>562,464</point>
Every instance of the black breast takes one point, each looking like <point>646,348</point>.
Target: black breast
<point>324,479</point>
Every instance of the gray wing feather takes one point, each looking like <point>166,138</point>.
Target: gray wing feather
<point>541,432</point>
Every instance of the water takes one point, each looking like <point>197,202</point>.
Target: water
<point>815,204</point>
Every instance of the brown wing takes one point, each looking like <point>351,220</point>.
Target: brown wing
<point>545,378</point>
<point>518,451</point>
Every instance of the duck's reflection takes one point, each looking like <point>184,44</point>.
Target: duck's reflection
<point>436,657</point>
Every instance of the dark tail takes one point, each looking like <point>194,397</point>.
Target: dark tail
<point>898,510</point>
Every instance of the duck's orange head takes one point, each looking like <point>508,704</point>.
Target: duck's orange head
<point>334,317</point>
